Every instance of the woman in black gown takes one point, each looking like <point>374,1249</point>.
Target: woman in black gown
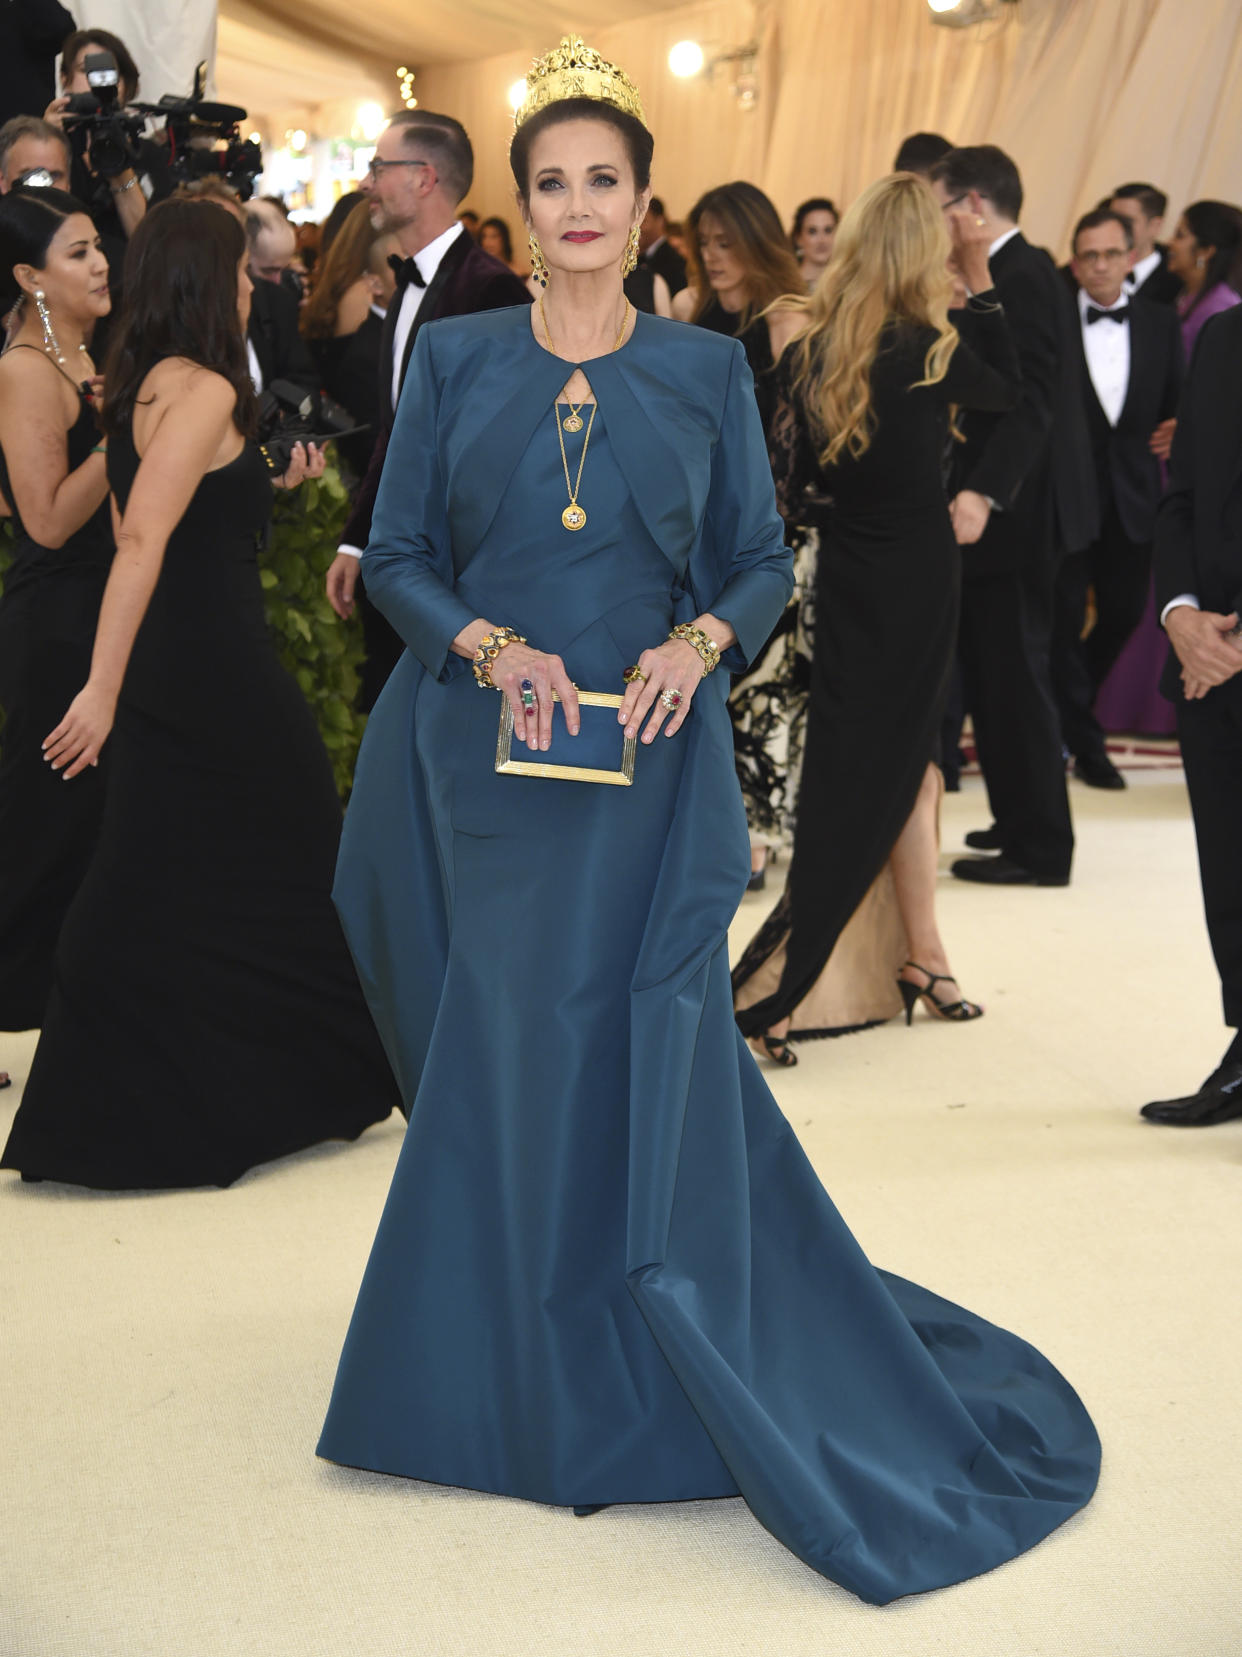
<point>52,473</point>
<point>865,401</point>
<point>740,263</point>
<point>205,1015</point>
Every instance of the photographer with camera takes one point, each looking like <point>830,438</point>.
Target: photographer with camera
<point>116,171</point>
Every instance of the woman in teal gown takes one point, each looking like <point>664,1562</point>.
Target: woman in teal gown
<point>606,1271</point>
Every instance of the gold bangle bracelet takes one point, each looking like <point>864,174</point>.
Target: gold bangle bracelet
<point>490,646</point>
<point>698,640</point>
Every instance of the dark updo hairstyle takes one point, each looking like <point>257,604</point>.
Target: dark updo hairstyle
<point>639,143</point>
<point>180,301</point>
<point>1218,225</point>
<point>817,204</point>
<point>30,216</point>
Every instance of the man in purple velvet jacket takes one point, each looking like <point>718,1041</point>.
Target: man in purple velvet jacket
<point>423,169</point>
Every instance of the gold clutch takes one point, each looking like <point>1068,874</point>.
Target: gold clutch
<point>601,752</point>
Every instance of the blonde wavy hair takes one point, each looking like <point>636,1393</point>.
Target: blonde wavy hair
<point>889,265</point>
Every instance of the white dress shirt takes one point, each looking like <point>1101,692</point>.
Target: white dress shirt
<point>1142,270</point>
<point>252,362</point>
<point>1106,346</point>
<point>428,260</point>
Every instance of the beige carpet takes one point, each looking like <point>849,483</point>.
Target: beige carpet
<point>167,1358</point>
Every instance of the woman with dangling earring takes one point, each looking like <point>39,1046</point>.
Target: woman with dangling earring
<point>606,1271</point>
<point>53,288</point>
<point>1206,253</point>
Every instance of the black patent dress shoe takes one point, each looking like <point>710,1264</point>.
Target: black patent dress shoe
<point>984,840</point>
<point>1001,871</point>
<point>1218,1100</point>
<point>1098,771</point>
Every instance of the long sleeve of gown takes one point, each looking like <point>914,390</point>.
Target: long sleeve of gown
<point>408,564</point>
<point>747,575</point>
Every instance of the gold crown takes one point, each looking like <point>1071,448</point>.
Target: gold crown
<point>574,70</point>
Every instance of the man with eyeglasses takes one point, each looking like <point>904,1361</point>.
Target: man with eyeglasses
<point>1022,494</point>
<point>1133,358</point>
<point>421,172</point>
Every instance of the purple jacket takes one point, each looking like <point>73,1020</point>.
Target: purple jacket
<point>1220,297</point>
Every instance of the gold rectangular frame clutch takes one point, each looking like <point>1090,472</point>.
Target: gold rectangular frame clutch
<point>508,766</point>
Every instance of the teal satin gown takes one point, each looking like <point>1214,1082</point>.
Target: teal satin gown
<point>606,1271</point>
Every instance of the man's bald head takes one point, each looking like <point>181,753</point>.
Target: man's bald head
<point>271,239</point>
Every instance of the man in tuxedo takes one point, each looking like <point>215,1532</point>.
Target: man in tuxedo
<point>1198,561</point>
<point>423,168</point>
<point>1132,355</point>
<point>655,249</point>
<point>1143,207</point>
<point>1021,494</point>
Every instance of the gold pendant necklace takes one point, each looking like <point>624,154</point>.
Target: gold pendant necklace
<point>573,517</point>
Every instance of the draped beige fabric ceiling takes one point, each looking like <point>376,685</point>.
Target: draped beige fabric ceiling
<point>1083,93</point>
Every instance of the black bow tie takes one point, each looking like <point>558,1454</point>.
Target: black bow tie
<point>406,271</point>
<point>1094,314</point>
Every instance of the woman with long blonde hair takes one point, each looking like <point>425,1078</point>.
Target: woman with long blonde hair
<point>865,396</point>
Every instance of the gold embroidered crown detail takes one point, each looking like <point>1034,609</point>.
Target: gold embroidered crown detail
<point>575,70</point>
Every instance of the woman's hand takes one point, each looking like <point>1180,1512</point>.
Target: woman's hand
<point>54,114</point>
<point>306,460</point>
<point>673,666</point>
<point>545,674</point>
<point>971,236</point>
<point>77,740</point>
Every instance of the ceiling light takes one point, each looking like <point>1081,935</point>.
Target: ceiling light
<point>517,94</point>
<point>686,59</point>
<point>962,14</point>
<point>369,121</point>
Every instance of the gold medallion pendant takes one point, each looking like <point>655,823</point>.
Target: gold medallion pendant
<point>572,423</point>
<point>573,517</point>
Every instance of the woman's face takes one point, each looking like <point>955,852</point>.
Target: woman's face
<point>491,241</point>
<point>722,264</point>
<point>74,276</point>
<point>1184,252</point>
<point>582,204</point>
<point>245,287</point>
<point>816,237</point>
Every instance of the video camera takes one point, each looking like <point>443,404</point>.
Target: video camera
<point>204,140</point>
<point>289,414</point>
<point>97,118</point>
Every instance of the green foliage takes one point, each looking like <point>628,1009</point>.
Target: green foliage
<point>322,652</point>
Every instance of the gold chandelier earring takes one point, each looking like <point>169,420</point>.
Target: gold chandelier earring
<point>538,264</point>
<point>630,263</point>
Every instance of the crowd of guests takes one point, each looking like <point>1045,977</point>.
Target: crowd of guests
<point>1048,425</point>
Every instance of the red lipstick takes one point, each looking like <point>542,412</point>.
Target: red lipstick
<point>581,236</point>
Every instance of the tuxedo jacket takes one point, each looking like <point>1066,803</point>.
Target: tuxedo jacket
<point>1198,545</point>
<point>1161,287</point>
<point>665,261</point>
<point>273,331</point>
<point>1034,461</point>
<point>1126,471</point>
<point>467,280</point>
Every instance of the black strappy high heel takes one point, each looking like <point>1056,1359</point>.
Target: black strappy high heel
<point>776,1048</point>
<point>960,1011</point>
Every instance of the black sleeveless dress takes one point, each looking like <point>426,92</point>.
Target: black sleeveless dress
<point>47,830</point>
<point>205,1015</point>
